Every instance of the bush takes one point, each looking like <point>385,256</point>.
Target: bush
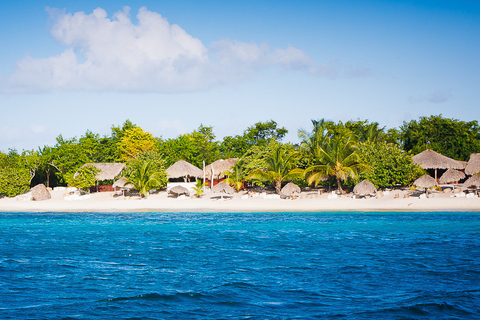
<point>14,181</point>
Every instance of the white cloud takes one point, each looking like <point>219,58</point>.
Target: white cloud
<point>153,55</point>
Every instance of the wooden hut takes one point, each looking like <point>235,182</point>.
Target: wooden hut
<point>108,171</point>
<point>214,171</point>
<point>430,159</point>
<point>185,170</point>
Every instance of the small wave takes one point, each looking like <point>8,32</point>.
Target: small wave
<point>422,310</point>
<point>158,297</point>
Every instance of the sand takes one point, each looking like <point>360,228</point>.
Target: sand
<point>107,202</point>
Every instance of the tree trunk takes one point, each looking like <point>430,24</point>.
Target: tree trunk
<point>340,186</point>
<point>278,186</point>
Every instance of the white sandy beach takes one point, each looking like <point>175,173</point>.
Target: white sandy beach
<point>106,202</point>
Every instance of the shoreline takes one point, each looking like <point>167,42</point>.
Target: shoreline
<point>105,202</point>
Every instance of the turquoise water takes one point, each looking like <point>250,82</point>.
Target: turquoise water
<point>353,265</point>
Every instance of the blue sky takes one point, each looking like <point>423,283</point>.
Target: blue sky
<point>71,66</point>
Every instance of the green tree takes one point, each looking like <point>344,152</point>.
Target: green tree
<point>14,175</point>
<point>279,168</point>
<point>338,158</point>
<point>260,134</point>
<point>387,164</point>
<point>13,181</point>
<point>235,177</point>
<point>144,176</point>
<point>450,137</point>
<point>66,156</point>
<point>133,142</point>
<point>83,178</point>
<point>199,188</point>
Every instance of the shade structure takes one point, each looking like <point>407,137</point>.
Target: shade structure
<point>108,171</point>
<point>451,175</point>
<point>123,183</point>
<point>425,181</point>
<point>290,189</point>
<point>430,159</point>
<point>222,187</point>
<point>179,190</point>
<point>364,187</point>
<point>219,167</point>
<point>473,165</point>
<point>473,181</point>
<point>183,169</point>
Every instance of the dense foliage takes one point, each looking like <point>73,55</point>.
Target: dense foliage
<point>387,164</point>
<point>337,152</point>
<point>451,137</point>
<point>83,178</point>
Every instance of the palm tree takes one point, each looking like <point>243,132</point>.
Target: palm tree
<point>198,188</point>
<point>338,158</point>
<point>236,177</point>
<point>144,177</point>
<point>312,142</point>
<point>278,169</point>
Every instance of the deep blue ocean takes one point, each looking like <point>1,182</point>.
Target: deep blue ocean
<point>328,265</point>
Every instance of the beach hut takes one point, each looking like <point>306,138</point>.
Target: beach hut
<point>451,175</point>
<point>473,165</point>
<point>290,189</point>
<point>215,170</point>
<point>179,190</point>
<point>430,159</point>
<point>222,187</point>
<point>365,187</point>
<point>183,169</point>
<point>108,171</point>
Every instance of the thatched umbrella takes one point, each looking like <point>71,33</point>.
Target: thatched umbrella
<point>123,184</point>
<point>183,169</point>
<point>179,190</point>
<point>473,181</point>
<point>426,182</point>
<point>473,165</point>
<point>217,168</point>
<point>290,188</point>
<point>430,159</point>
<point>222,187</point>
<point>451,175</point>
<point>364,187</point>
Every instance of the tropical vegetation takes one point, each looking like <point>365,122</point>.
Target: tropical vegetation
<point>328,153</point>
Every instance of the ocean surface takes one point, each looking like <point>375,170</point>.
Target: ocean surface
<point>328,265</point>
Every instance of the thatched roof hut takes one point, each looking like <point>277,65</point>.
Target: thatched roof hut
<point>179,190</point>
<point>451,175</point>
<point>425,181</point>
<point>183,169</point>
<point>222,187</point>
<point>290,189</point>
<point>219,167</point>
<point>364,187</point>
<point>108,171</point>
<point>430,159</point>
<point>473,165</point>
<point>473,181</point>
